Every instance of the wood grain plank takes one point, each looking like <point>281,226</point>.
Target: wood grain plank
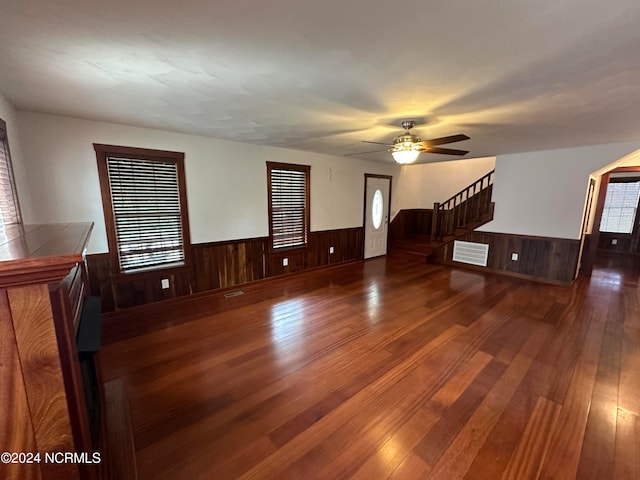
<point>627,449</point>
<point>495,454</point>
<point>529,454</point>
<point>566,444</point>
<point>302,443</point>
<point>456,460</point>
<point>120,460</point>
<point>627,443</point>
<point>342,372</point>
<point>401,401</point>
<point>598,448</point>
<point>411,468</point>
<point>41,369</point>
<point>453,419</point>
<point>16,432</point>
<point>393,452</point>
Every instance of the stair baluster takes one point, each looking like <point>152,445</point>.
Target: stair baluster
<point>467,206</point>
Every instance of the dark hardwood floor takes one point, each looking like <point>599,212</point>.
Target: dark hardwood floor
<point>389,369</point>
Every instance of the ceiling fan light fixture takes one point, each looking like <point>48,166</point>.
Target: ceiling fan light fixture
<point>406,147</point>
<point>405,156</point>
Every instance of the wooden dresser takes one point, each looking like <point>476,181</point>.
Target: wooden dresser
<point>42,402</point>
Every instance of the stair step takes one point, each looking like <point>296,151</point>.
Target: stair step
<point>422,249</point>
<point>407,255</point>
<point>418,243</point>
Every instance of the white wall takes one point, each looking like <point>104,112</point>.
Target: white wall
<point>420,186</point>
<point>226,181</point>
<point>536,193</point>
<point>8,114</point>
<point>543,193</point>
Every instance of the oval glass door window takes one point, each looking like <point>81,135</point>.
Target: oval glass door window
<point>377,207</point>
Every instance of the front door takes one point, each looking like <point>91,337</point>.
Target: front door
<point>376,221</point>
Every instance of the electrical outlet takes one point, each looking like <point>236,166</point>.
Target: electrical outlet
<point>514,257</point>
<point>331,250</point>
<point>285,262</point>
<point>614,241</point>
<point>165,283</point>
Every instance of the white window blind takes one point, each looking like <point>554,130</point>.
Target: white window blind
<point>620,207</point>
<point>8,204</point>
<point>147,215</point>
<point>289,214</point>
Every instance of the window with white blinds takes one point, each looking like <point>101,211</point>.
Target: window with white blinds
<point>288,205</point>
<point>620,207</point>
<point>9,211</point>
<point>145,212</point>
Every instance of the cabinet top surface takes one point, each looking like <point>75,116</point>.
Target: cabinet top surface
<point>25,249</point>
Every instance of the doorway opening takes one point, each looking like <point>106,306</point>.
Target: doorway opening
<point>614,243</point>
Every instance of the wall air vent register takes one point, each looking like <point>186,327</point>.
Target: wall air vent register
<point>471,253</point>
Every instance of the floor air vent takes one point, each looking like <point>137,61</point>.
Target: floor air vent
<point>233,294</point>
<point>469,252</point>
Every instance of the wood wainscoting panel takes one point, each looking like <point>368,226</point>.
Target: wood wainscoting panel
<point>347,245</point>
<point>219,265</point>
<point>119,291</point>
<point>545,259</point>
<point>131,290</point>
<point>296,261</point>
<point>624,243</point>
<point>99,273</point>
<point>226,264</point>
<point>409,222</point>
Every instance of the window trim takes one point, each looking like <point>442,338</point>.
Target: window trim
<point>102,152</point>
<point>300,168</point>
<point>4,138</point>
<point>636,219</point>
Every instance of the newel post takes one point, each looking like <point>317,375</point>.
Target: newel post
<point>434,220</point>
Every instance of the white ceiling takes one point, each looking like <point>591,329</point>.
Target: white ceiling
<point>514,75</point>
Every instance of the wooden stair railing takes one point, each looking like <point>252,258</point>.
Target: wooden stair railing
<point>470,205</point>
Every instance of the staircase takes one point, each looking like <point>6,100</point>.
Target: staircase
<point>457,216</point>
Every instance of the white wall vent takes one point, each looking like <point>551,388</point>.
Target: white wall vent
<point>469,252</point>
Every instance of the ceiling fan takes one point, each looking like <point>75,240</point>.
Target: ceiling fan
<point>406,147</point>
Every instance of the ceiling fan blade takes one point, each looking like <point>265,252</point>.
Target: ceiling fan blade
<point>445,151</point>
<point>443,140</point>
<point>378,143</point>
<point>362,153</point>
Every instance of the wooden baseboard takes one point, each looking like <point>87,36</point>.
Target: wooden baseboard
<point>120,462</point>
<point>505,273</point>
<point>604,251</point>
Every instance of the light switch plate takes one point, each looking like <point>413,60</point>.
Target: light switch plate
<point>331,250</point>
<point>285,262</point>
<point>165,283</point>
<point>514,257</point>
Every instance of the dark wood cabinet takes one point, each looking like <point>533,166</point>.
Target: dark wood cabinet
<point>42,286</point>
